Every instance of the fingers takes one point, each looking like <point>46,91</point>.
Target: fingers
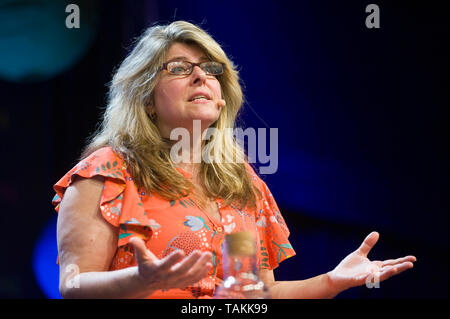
<point>368,243</point>
<point>141,252</point>
<point>174,273</point>
<point>170,271</point>
<point>378,274</point>
<point>201,267</point>
<point>187,263</point>
<point>193,268</point>
<point>398,260</point>
<point>170,260</point>
<point>389,271</point>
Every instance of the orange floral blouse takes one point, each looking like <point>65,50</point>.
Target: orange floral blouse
<point>178,224</point>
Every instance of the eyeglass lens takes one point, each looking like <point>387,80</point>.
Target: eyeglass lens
<point>184,67</point>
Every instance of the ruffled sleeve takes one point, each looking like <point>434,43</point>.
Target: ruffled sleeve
<point>273,244</point>
<point>120,204</point>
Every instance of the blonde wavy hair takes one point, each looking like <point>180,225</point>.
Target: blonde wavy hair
<point>132,133</point>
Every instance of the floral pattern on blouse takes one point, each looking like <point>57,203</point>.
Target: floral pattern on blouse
<point>166,225</point>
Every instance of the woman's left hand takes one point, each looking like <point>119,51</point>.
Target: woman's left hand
<point>356,269</point>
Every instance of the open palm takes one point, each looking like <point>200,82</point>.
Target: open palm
<point>356,269</point>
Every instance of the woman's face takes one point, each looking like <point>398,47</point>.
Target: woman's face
<point>173,94</point>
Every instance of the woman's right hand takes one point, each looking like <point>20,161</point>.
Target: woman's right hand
<point>170,272</point>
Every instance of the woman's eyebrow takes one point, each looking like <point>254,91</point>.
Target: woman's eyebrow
<point>183,58</point>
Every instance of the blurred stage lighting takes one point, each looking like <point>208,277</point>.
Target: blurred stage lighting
<point>45,268</point>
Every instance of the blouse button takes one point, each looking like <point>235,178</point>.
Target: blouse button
<point>219,229</point>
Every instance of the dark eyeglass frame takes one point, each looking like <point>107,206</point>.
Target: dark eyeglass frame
<point>164,67</point>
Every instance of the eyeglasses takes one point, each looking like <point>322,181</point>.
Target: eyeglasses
<point>186,68</point>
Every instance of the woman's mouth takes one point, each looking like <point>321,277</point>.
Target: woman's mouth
<point>201,99</point>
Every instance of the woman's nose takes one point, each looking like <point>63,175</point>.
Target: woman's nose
<point>198,75</point>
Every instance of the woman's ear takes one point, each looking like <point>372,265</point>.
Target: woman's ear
<point>152,115</point>
<point>151,112</point>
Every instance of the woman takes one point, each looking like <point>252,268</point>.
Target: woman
<point>138,223</point>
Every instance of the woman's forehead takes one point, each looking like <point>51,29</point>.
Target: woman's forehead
<point>186,52</point>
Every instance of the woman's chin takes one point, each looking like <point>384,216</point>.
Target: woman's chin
<point>207,117</point>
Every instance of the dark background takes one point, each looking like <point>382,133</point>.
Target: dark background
<point>362,118</point>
